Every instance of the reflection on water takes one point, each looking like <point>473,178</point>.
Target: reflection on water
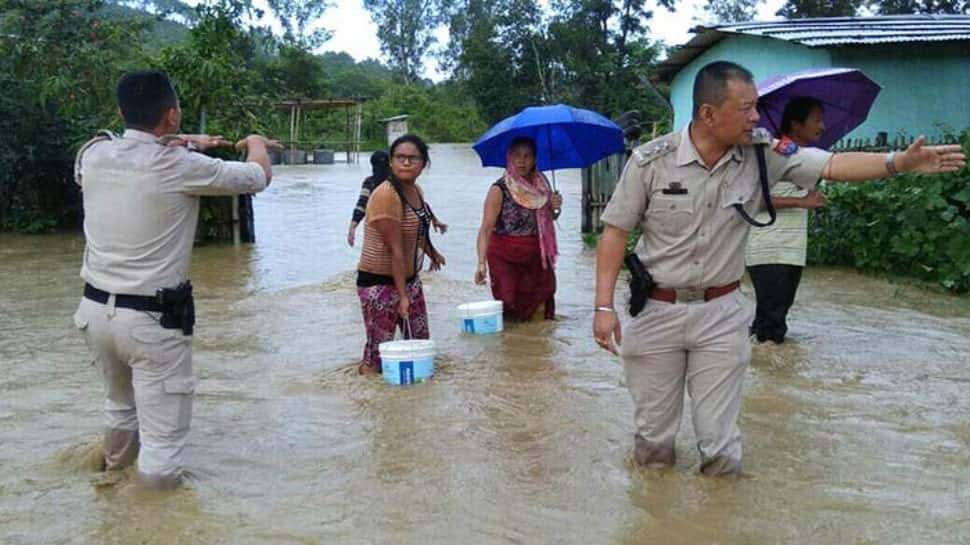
<point>858,431</point>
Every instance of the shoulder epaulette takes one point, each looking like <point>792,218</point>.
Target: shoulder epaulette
<point>760,136</point>
<point>653,150</point>
<point>100,136</point>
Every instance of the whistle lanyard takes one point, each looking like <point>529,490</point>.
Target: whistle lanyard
<point>759,152</point>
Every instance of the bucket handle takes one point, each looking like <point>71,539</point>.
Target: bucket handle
<point>406,328</point>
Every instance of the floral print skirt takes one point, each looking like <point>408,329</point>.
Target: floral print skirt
<point>379,306</point>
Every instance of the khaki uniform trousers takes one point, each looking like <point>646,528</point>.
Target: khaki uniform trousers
<point>149,388</point>
<point>704,344</point>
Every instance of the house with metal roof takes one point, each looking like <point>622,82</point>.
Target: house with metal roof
<point>922,63</point>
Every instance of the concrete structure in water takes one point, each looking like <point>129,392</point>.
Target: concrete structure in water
<point>395,127</point>
<point>922,63</point>
<point>296,152</point>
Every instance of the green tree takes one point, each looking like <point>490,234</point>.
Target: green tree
<point>67,56</point>
<point>59,61</point>
<point>299,73</point>
<point>499,55</point>
<point>434,113</point>
<point>731,11</point>
<point>162,7</point>
<point>900,7</point>
<point>604,53</point>
<point>406,32</point>
<point>211,70</point>
<point>298,18</point>
<point>344,77</point>
<point>802,9</point>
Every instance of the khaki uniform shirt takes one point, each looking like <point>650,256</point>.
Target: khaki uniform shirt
<point>141,207</point>
<point>696,239</point>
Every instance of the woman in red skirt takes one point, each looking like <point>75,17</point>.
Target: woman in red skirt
<point>517,240</point>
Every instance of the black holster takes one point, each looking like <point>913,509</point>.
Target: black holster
<point>178,307</point>
<point>640,283</point>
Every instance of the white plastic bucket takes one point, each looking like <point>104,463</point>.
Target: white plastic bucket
<point>407,362</point>
<point>481,317</point>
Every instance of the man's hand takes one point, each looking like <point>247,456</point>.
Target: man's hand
<point>919,157</point>
<point>814,199</point>
<point>606,329</point>
<point>200,142</point>
<point>271,145</point>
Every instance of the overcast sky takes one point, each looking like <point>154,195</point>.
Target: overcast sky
<point>355,33</point>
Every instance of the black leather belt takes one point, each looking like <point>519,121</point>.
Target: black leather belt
<point>134,302</point>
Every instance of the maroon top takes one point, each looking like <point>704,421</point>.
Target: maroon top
<point>514,220</point>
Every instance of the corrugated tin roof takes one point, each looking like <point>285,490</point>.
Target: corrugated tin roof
<point>824,32</point>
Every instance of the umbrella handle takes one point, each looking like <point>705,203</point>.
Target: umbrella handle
<point>551,153</point>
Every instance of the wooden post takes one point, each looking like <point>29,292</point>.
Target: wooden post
<point>347,135</point>
<point>356,144</point>
<point>299,126</point>
<point>292,125</point>
<point>235,220</point>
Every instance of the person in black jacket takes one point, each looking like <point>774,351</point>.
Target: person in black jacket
<point>381,169</point>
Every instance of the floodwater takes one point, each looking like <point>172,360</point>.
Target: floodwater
<point>858,431</point>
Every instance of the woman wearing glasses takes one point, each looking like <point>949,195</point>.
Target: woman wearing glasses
<point>517,239</point>
<point>380,171</point>
<point>396,230</point>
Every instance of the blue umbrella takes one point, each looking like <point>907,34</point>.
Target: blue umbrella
<point>565,137</point>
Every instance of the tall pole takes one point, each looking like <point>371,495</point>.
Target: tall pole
<point>292,125</point>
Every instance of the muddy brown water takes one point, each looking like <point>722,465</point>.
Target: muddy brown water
<point>858,431</point>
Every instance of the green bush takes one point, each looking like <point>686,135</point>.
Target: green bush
<point>37,193</point>
<point>434,115</point>
<point>912,225</point>
<point>58,64</point>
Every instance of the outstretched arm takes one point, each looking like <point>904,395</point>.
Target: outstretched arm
<point>918,157</point>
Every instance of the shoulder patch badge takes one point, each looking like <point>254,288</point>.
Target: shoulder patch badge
<point>786,146</point>
<point>101,136</point>
<point>648,152</point>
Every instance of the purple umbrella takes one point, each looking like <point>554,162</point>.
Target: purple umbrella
<point>846,94</point>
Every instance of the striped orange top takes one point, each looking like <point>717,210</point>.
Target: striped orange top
<point>375,256</point>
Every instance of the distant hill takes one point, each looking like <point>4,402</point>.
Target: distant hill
<point>165,7</point>
<point>164,31</point>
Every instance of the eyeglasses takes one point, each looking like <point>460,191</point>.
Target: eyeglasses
<point>409,159</point>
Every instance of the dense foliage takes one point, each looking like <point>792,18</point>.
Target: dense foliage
<point>910,225</point>
<point>60,61</point>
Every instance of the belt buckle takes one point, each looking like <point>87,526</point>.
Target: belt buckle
<point>690,295</point>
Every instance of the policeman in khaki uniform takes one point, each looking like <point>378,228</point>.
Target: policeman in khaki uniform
<point>682,189</point>
<point>141,206</point>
